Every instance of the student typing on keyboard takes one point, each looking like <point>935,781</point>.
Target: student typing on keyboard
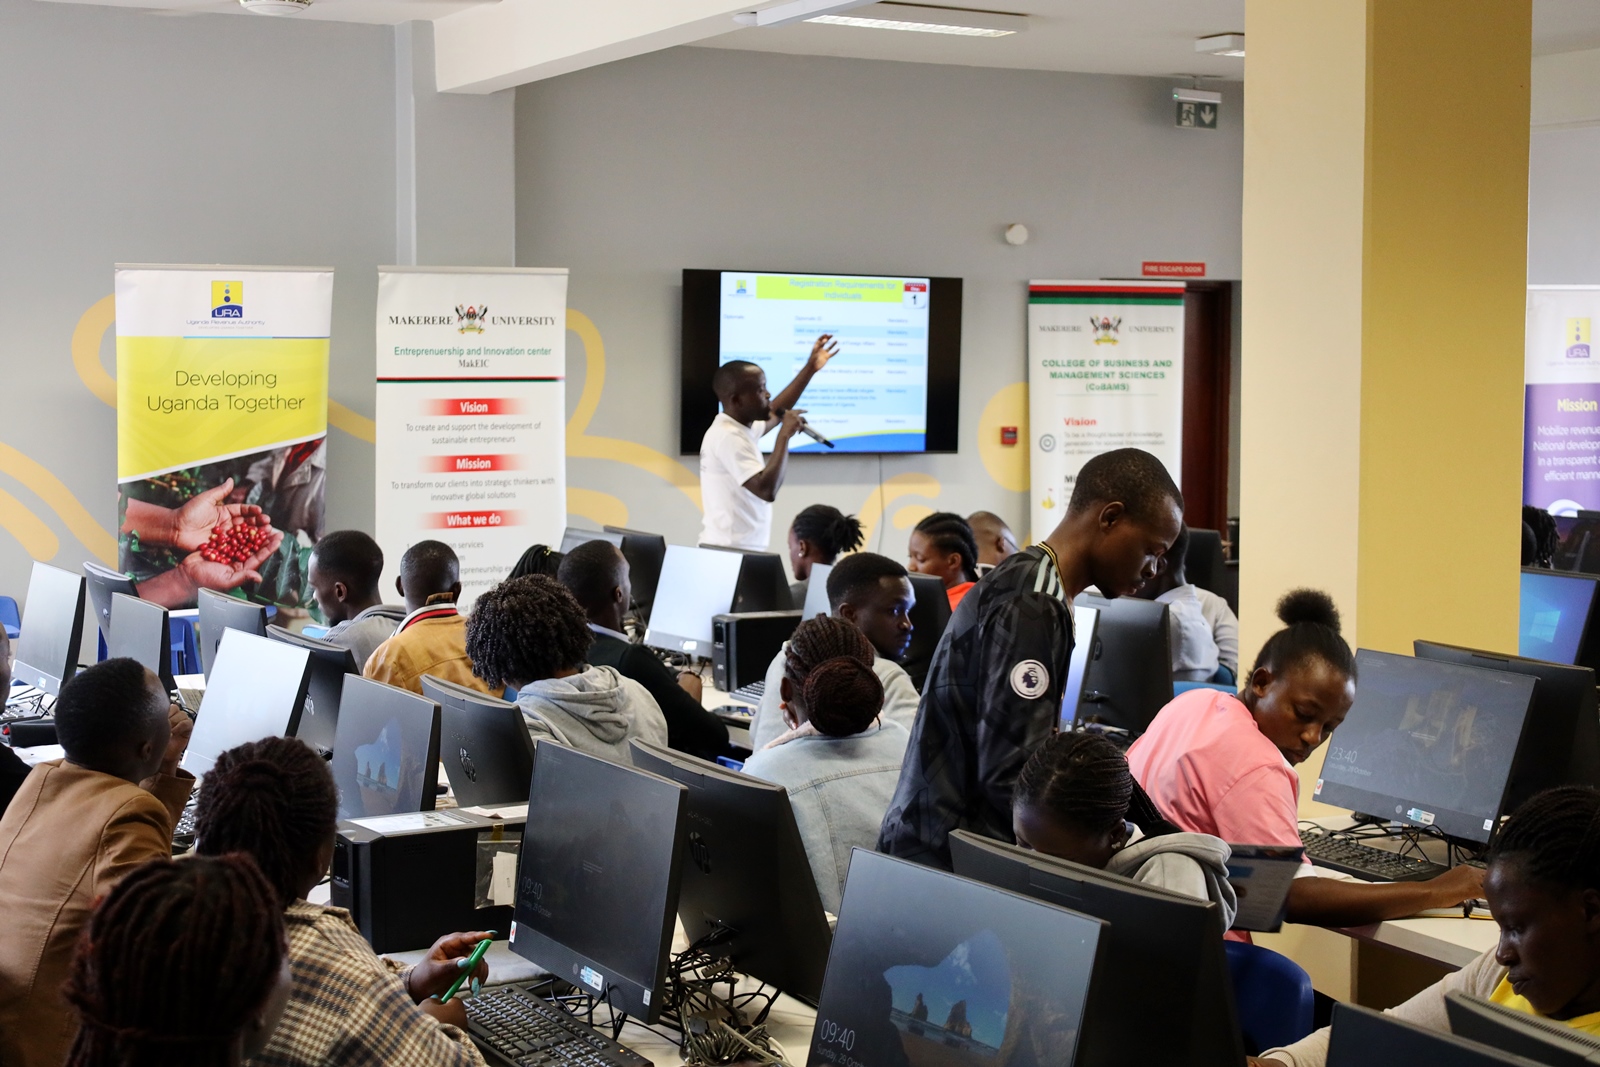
<point>1221,765</point>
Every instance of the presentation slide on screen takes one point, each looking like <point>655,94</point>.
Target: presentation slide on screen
<point>873,396</point>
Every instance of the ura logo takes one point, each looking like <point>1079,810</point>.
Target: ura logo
<point>227,300</point>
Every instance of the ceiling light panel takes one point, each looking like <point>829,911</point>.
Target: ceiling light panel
<point>915,19</point>
<point>1221,44</point>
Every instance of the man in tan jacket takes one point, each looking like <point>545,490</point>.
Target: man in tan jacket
<point>74,829</point>
<point>432,639</point>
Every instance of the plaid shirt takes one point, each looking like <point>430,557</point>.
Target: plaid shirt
<point>992,696</point>
<point>350,1007</point>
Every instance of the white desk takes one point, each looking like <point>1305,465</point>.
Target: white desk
<point>714,699</point>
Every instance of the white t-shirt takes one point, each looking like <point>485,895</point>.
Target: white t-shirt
<point>730,455</point>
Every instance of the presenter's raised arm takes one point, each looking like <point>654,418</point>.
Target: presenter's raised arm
<point>822,350</point>
<point>766,483</point>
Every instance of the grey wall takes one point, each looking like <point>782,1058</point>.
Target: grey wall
<point>693,157</point>
<point>1563,211</point>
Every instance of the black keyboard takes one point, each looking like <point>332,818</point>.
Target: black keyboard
<point>1364,861</point>
<point>752,693</point>
<point>513,1026</point>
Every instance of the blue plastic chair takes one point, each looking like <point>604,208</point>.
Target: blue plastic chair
<point>1273,995</point>
<point>11,616</point>
<point>1184,687</point>
<point>185,649</point>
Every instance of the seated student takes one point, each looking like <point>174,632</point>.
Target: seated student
<point>343,574</point>
<point>942,545</point>
<point>275,801</point>
<point>1543,888</point>
<point>1076,799</point>
<point>1223,765</point>
<point>432,638</point>
<point>1204,632</point>
<point>538,559</point>
<point>996,543</point>
<point>819,534</point>
<point>76,827</point>
<point>181,964</point>
<point>839,760</point>
<point>873,592</point>
<point>531,634</point>
<point>596,573</point>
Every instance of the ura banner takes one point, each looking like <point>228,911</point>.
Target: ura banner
<point>222,420</point>
<point>1561,429</point>
<point>1105,371</point>
<point>471,415</point>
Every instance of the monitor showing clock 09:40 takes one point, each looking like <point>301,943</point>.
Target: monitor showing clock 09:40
<point>893,386</point>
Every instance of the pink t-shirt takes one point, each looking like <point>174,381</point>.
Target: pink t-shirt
<point>1211,770</point>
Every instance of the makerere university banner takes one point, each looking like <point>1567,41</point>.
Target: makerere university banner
<point>1105,371</point>
<point>1561,446</point>
<point>222,420</point>
<point>471,412</point>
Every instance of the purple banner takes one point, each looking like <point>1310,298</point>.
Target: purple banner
<point>1561,456</point>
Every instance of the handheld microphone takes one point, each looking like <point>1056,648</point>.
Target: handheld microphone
<point>806,429</point>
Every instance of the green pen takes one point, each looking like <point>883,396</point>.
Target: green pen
<point>467,969</point>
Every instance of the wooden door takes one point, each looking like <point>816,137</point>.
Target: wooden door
<point>1207,370</point>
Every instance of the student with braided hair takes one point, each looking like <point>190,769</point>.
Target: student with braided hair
<point>1543,888</point>
<point>942,545</point>
<point>1076,799</point>
<point>182,965</point>
<point>839,760</point>
<point>275,800</point>
<point>531,634</point>
<point>819,534</point>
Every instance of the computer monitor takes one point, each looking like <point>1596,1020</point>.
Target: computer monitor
<point>1085,625</point>
<point>696,584</point>
<point>1161,956</point>
<point>929,969</point>
<point>140,631</point>
<point>930,614</point>
<point>52,625</point>
<point>644,552</point>
<point>219,612</point>
<point>1362,1037</point>
<point>747,875</point>
<point>1428,744</point>
<point>104,583</point>
<point>763,583</point>
<point>483,745</point>
<point>319,719</point>
<point>597,882</point>
<point>1561,738</point>
<point>817,602</point>
<point>1554,617</point>
<point>257,689</point>
<point>1204,564</point>
<point>1544,1041</point>
<point>573,536</point>
<point>386,750</point>
<point>1129,677</point>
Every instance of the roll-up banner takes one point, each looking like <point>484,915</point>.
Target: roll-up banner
<point>471,414</point>
<point>222,419</point>
<point>1105,371</point>
<point>1561,428</point>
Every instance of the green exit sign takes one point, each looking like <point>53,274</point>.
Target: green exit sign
<point>1197,116</point>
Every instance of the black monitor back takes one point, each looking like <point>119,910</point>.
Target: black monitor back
<point>386,750</point>
<point>1561,737</point>
<point>930,614</point>
<point>140,631</point>
<point>483,745</point>
<point>219,612</point>
<point>103,584</point>
<point>1545,1041</point>
<point>1362,1037</point>
<point>763,582</point>
<point>319,717</point>
<point>1129,678</point>
<point>1161,956</point>
<point>1204,564</point>
<point>52,626</point>
<point>747,874</point>
<point>645,553</point>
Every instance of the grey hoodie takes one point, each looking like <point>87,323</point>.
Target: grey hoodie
<point>598,712</point>
<point>363,634</point>
<point>1195,865</point>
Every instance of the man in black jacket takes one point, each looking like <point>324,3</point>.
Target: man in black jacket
<point>597,575</point>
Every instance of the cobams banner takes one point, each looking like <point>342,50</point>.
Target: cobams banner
<point>471,415</point>
<point>1105,371</point>
<point>222,420</point>
<point>1561,429</point>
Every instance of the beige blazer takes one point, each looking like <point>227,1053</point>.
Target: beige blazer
<point>68,836</point>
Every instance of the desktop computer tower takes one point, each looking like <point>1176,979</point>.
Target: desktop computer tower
<point>409,879</point>
<point>742,645</point>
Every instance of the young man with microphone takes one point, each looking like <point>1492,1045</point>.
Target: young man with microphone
<point>738,484</point>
